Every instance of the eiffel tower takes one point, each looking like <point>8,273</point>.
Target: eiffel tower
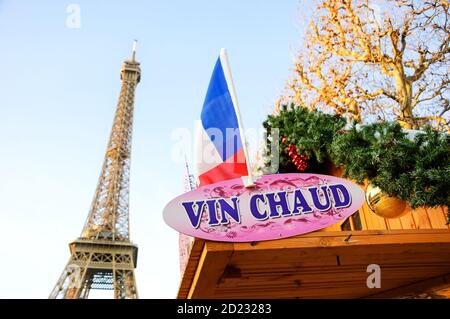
<point>103,257</point>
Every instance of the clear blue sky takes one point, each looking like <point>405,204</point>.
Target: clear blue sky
<point>58,92</point>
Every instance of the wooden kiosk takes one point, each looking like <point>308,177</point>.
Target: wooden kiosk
<point>413,253</point>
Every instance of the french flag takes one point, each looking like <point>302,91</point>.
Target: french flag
<point>221,152</point>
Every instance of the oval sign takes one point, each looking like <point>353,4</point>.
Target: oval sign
<point>279,206</point>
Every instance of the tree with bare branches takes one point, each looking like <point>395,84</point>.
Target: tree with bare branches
<point>377,60</point>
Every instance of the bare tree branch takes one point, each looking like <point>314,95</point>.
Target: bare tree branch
<point>360,60</point>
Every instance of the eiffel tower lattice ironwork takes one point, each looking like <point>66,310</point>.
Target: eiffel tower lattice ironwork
<point>103,257</point>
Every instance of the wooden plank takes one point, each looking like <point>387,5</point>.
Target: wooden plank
<point>352,222</point>
<point>431,284</point>
<point>214,259</point>
<point>407,221</point>
<point>362,215</point>
<point>364,210</point>
<point>284,258</point>
<point>336,277</point>
<point>400,254</point>
<point>344,287</point>
<point>342,284</point>
<point>334,227</point>
<point>445,211</point>
<point>353,277</point>
<point>370,232</point>
<point>372,220</point>
<point>394,223</point>
<point>344,239</point>
<point>437,218</point>
<point>302,258</point>
<point>421,218</point>
<point>332,273</point>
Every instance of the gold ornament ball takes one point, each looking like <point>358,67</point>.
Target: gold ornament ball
<point>383,205</point>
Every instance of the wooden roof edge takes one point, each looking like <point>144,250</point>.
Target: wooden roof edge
<point>349,239</point>
<point>191,267</point>
<point>224,250</point>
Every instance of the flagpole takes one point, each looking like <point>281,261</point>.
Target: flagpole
<point>226,69</point>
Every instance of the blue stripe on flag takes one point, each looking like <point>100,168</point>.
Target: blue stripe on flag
<point>218,114</point>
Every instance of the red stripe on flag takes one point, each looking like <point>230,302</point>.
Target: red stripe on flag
<point>233,167</point>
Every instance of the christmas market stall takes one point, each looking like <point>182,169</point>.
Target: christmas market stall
<point>396,245</point>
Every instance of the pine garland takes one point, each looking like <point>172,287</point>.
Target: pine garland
<point>310,131</point>
<point>417,170</point>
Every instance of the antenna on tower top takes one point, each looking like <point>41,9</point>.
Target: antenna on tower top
<point>190,181</point>
<point>133,57</point>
